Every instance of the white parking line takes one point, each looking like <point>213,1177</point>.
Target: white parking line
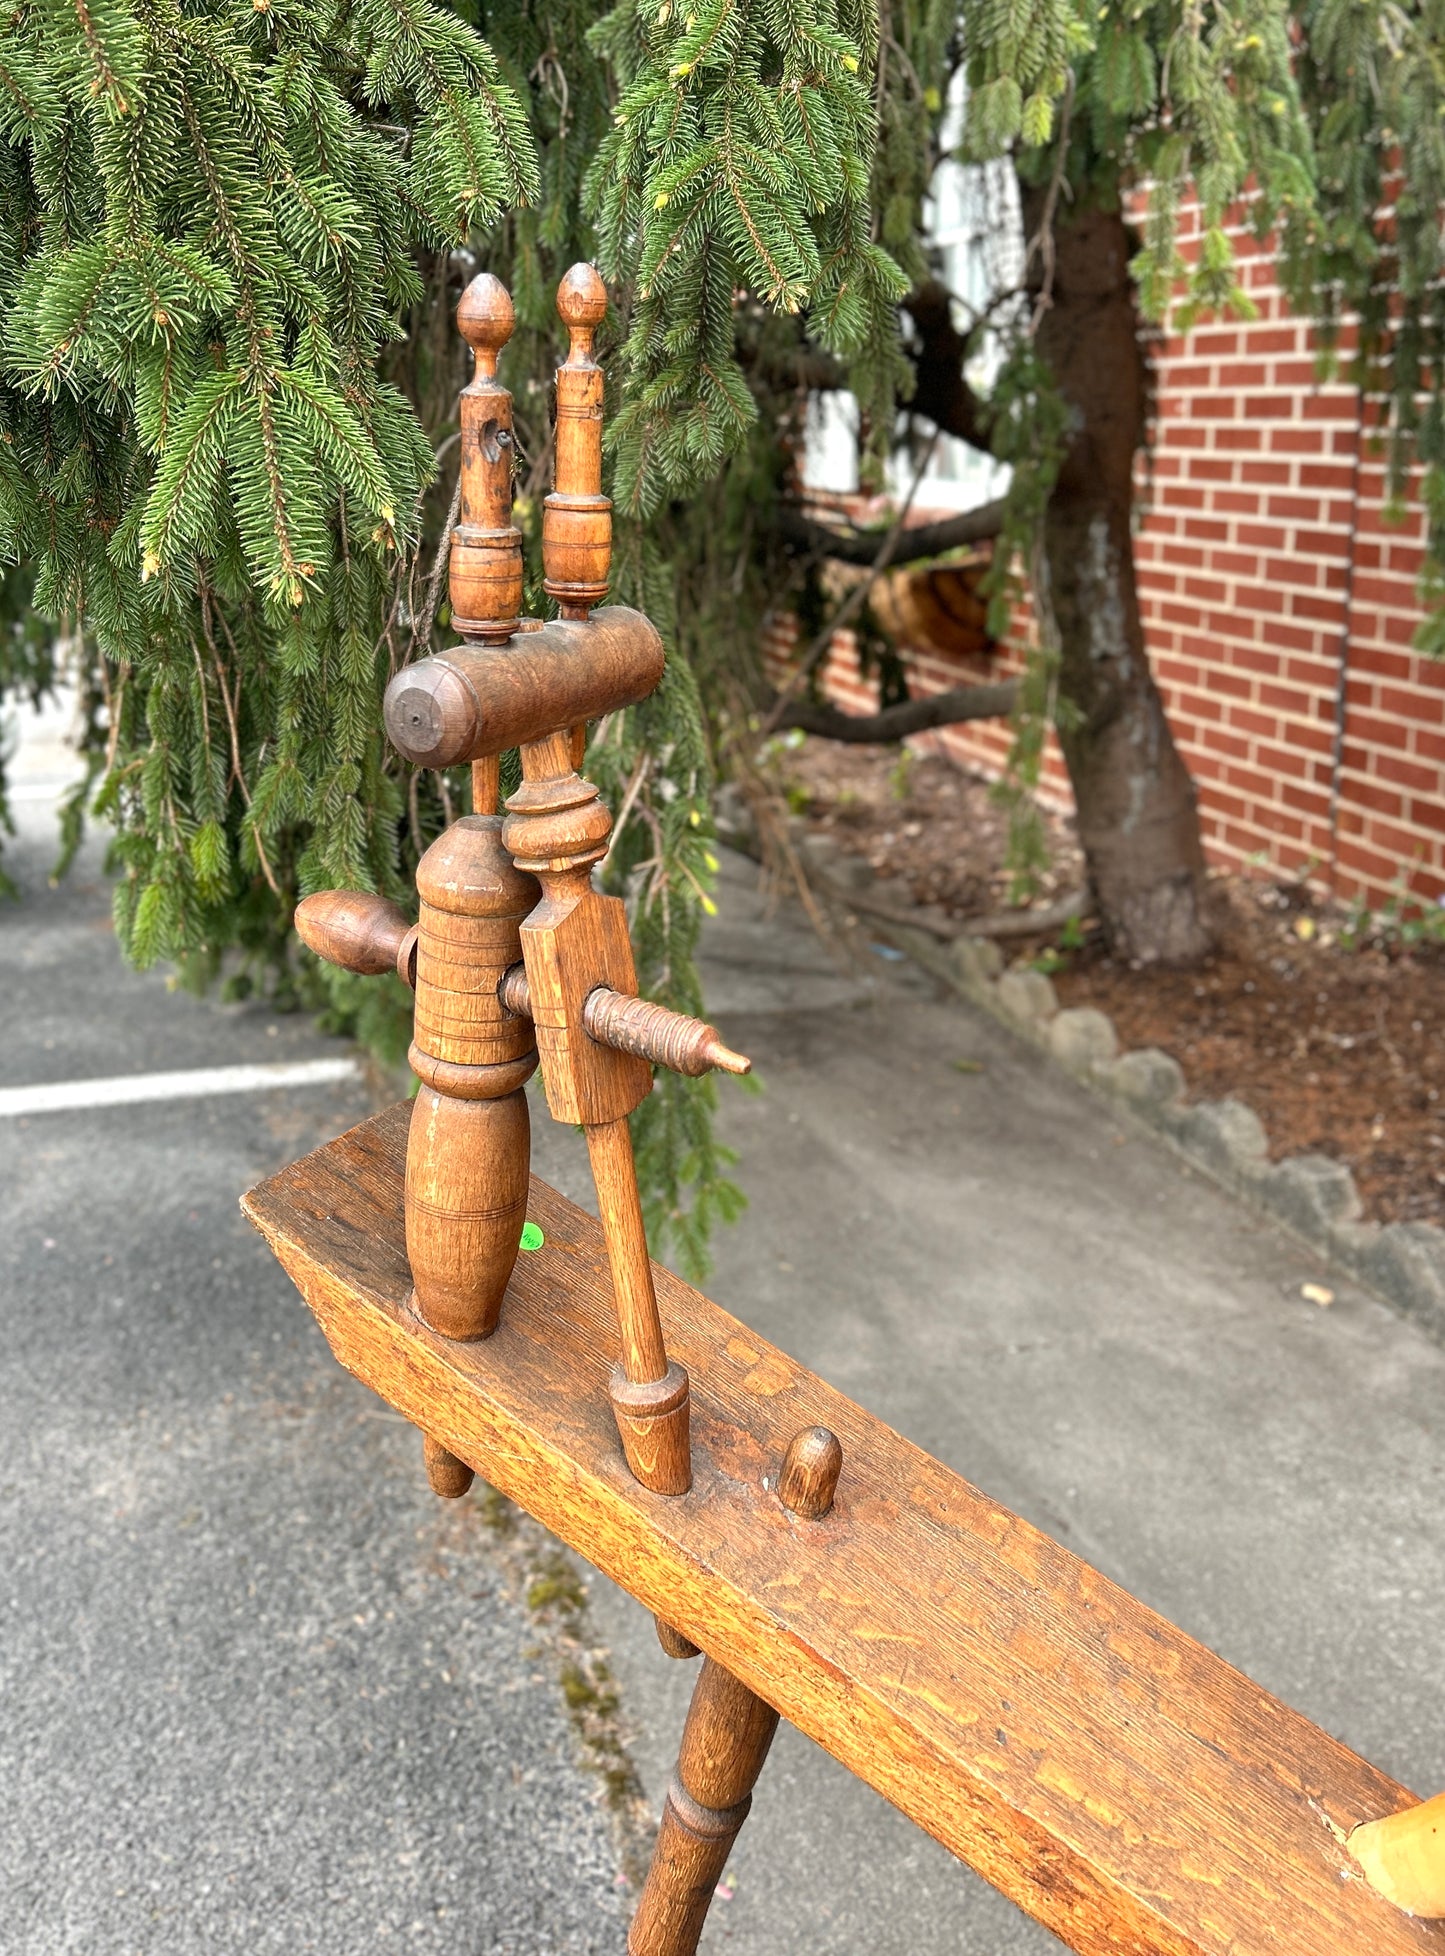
<point>64,1096</point>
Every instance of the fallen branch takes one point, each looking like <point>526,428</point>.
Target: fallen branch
<point>911,546</point>
<point>948,709</point>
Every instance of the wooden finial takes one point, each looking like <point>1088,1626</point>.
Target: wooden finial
<point>485,319</point>
<point>486,555</point>
<point>810,1473</point>
<point>577,517</point>
<point>582,307</point>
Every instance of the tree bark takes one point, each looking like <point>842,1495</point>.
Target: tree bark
<point>1138,822</point>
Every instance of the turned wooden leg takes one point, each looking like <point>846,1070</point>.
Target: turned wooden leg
<point>724,1744</point>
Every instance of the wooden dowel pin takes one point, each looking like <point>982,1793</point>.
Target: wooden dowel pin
<point>449,1477</point>
<point>673,1641</point>
<point>811,1467</point>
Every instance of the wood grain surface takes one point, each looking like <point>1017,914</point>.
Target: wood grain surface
<point>1121,1783</point>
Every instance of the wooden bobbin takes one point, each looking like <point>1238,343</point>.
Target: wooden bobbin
<point>724,1744</point>
<point>485,570</point>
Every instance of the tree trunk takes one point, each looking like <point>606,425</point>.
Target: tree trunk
<point>1138,823</point>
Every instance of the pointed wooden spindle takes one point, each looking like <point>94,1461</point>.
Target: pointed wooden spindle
<point>557,828</point>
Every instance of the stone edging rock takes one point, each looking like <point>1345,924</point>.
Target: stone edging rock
<point>1312,1195</point>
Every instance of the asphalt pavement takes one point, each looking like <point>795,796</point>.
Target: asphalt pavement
<point>261,1691</point>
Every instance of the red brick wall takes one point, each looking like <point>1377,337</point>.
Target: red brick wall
<point>1253,507</point>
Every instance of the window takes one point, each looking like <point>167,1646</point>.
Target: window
<point>973,220</point>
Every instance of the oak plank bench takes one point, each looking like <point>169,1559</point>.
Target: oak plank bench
<point>1113,1777</point>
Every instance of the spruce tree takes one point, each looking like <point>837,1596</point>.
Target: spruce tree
<point>231,235</point>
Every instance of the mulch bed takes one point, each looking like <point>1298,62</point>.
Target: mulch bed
<point>1339,1051</point>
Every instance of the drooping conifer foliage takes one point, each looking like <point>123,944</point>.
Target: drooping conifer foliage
<point>231,236</point>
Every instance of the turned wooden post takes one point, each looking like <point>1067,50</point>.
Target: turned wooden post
<point>470,1148</point>
<point>576,941</point>
<point>469,1155</point>
<point>572,982</point>
<point>558,828</point>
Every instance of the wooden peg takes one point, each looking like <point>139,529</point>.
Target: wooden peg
<point>485,570</point>
<point>636,1025</point>
<point>357,930</point>
<point>724,1744</point>
<point>577,517</point>
<point>811,1467</point>
<point>449,1477</point>
<point>1403,1857</point>
<point>673,1641</point>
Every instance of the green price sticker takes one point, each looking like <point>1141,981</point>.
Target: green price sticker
<point>532,1237</point>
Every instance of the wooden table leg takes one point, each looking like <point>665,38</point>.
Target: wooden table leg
<point>724,1744</point>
